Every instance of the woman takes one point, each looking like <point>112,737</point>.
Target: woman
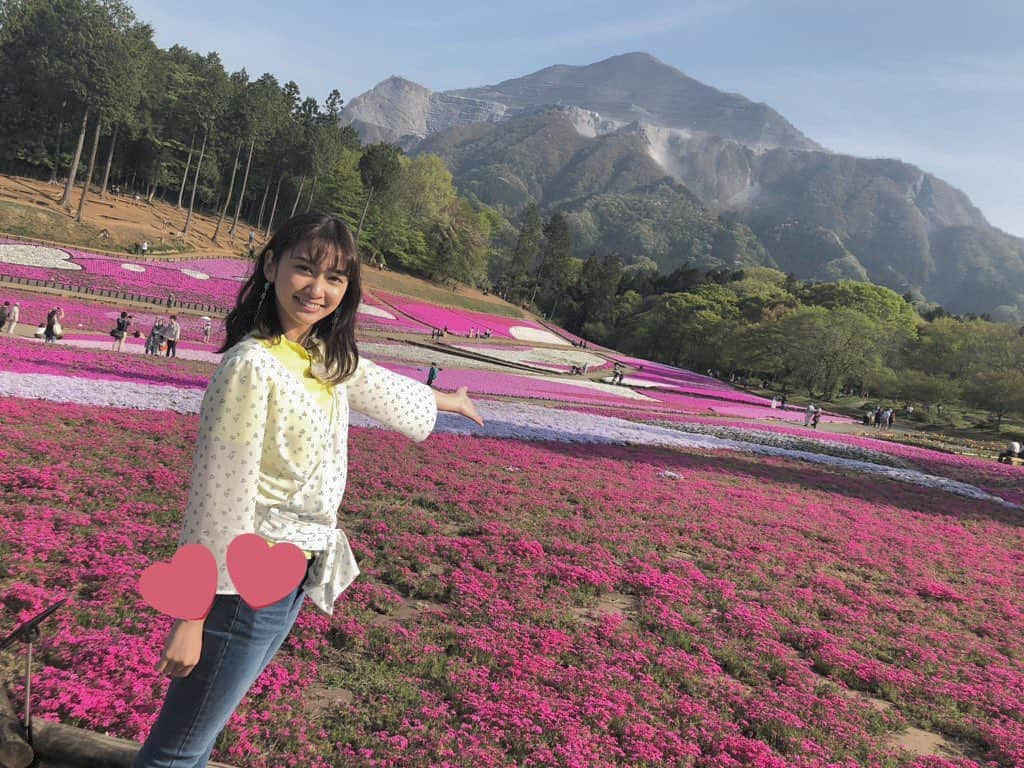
<point>54,330</point>
<point>271,459</point>
<point>120,331</point>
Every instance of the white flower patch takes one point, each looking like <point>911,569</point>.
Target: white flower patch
<point>539,356</point>
<point>503,420</point>
<point>366,309</point>
<point>195,273</point>
<point>608,389</point>
<point>36,256</point>
<point>101,392</point>
<point>133,267</point>
<point>410,353</point>
<point>523,333</point>
<point>792,442</point>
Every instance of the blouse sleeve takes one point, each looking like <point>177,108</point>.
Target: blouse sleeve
<point>394,400</point>
<point>226,469</point>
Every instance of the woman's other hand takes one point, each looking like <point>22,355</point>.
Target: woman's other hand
<point>182,649</point>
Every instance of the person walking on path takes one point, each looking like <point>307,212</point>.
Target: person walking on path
<point>271,460</point>
<point>53,330</point>
<point>172,332</point>
<point>12,318</point>
<point>432,374</point>
<point>207,328</point>
<point>816,418</point>
<point>120,332</point>
<point>808,415</point>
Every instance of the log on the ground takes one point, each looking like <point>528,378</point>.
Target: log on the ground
<point>66,745</point>
<point>15,751</point>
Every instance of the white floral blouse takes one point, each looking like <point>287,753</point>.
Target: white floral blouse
<point>271,460</point>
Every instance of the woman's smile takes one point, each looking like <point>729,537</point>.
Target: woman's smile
<point>309,305</point>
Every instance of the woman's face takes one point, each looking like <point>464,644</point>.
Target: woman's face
<point>306,291</point>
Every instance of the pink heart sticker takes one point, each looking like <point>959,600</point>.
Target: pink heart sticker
<point>263,574</point>
<point>183,588</point>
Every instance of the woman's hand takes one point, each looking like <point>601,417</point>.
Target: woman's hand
<point>182,649</point>
<point>458,402</point>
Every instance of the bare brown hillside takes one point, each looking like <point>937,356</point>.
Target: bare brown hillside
<point>31,208</point>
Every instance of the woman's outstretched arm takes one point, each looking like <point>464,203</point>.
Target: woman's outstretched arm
<point>458,402</point>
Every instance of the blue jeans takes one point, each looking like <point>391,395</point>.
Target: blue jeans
<point>238,643</point>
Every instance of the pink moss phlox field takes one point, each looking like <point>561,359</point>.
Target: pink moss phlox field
<point>80,314</point>
<point>28,356</point>
<point>509,384</point>
<point>218,284</point>
<point>663,372</point>
<point>998,479</point>
<point>721,402</point>
<point>458,321</point>
<point>396,321</point>
<point>533,604</point>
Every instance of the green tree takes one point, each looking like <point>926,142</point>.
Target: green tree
<point>926,388</point>
<point>526,253</point>
<point>378,168</point>
<point>1000,392</point>
<point>600,283</point>
<point>874,301</point>
<point>552,271</point>
<point>684,329</point>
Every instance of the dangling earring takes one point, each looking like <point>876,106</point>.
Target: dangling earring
<point>263,296</point>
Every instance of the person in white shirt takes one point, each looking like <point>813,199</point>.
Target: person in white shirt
<point>271,460</point>
<point>13,315</point>
<point>171,333</point>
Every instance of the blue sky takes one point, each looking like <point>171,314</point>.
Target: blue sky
<point>939,84</point>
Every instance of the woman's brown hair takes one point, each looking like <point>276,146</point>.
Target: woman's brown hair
<point>323,239</point>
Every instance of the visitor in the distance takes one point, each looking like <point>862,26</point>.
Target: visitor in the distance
<point>172,332</point>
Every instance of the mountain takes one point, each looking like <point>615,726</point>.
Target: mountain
<point>620,90</point>
<point>641,157</point>
<point>401,111</point>
<point>542,155</point>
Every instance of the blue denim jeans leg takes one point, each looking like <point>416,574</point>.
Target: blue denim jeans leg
<point>238,643</point>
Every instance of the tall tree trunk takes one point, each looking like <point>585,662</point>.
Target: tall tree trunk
<point>241,195</point>
<point>273,208</point>
<point>156,181</point>
<point>54,172</point>
<point>188,164</point>
<point>92,167</point>
<point>227,199</point>
<point>192,199</point>
<point>73,170</point>
<point>110,160</point>
<point>312,192</point>
<point>359,229</point>
<point>263,207</point>
<point>302,183</point>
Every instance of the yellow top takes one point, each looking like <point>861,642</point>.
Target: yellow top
<point>296,359</point>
